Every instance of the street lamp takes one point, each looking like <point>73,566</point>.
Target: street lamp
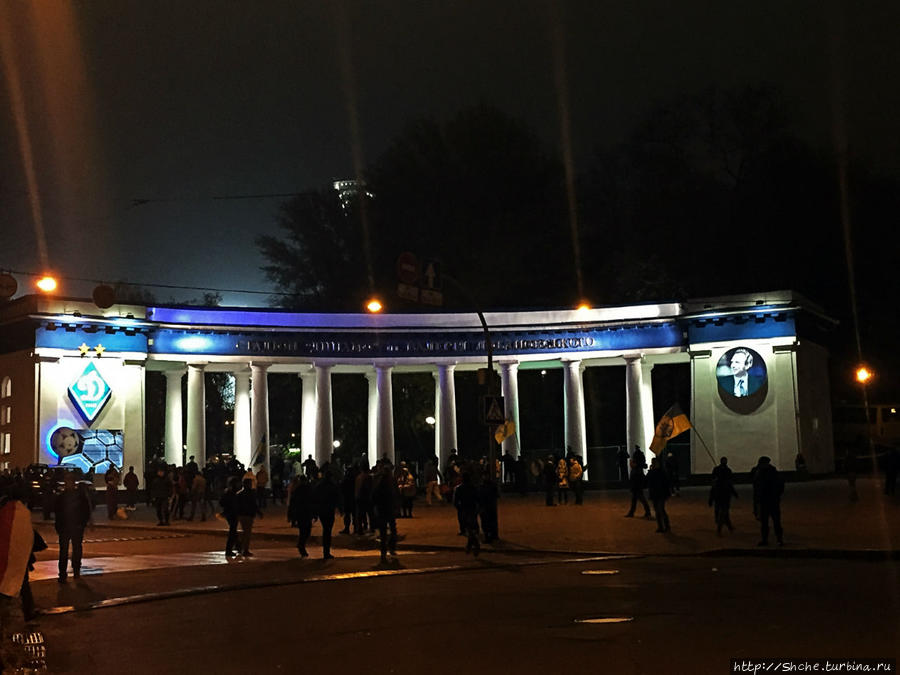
<point>336,444</point>
<point>430,421</point>
<point>46,284</point>
<point>374,305</point>
<point>864,375</point>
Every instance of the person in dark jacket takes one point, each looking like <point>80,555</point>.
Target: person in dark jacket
<point>228,502</point>
<point>385,501</point>
<point>720,495</point>
<point>247,510</point>
<point>638,481</point>
<point>300,512</point>
<point>550,479</point>
<point>362,497</point>
<point>660,489</point>
<point>622,463</point>
<point>348,496</point>
<point>161,491</point>
<point>488,494</point>
<point>466,501</point>
<point>73,511</point>
<point>767,490</point>
<point>326,498</point>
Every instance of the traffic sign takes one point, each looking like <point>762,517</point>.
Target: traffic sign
<point>492,410</point>
<point>431,275</point>
<point>408,292</point>
<point>408,268</point>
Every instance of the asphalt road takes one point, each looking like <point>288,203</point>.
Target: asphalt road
<point>449,613</point>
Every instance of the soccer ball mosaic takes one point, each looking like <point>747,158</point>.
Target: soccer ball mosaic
<point>87,449</point>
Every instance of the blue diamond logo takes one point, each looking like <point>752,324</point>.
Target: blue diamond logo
<point>89,393</point>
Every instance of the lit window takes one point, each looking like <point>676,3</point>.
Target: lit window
<point>6,387</point>
<point>5,443</point>
<point>5,414</point>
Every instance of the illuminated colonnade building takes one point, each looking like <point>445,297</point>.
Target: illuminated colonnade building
<point>72,376</point>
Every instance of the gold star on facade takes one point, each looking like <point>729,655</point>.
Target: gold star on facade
<point>99,349</point>
<point>84,349</point>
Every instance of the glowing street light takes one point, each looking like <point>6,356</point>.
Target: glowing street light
<point>864,375</point>
<point>336,444</point>
<point>46,284</point>
<point>430,420</point>
<point>374,305</point>
<point>583,307</point>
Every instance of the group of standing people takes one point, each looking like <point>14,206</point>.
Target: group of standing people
<point>366,499</point>
<point>561,475</point>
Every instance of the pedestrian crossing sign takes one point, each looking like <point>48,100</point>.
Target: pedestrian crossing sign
<point>492,410</point>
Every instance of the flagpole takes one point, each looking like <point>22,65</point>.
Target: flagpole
<point>705,447</point>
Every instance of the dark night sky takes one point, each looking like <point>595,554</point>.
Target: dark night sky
<point>181,101</point>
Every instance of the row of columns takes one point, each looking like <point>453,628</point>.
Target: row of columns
<point>251,411</point>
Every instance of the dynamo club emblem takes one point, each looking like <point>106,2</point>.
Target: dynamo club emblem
<point>89,393</point>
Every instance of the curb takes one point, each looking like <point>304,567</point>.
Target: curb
<point>874,555</point>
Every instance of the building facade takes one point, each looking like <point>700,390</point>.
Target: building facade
<point>73,377</point>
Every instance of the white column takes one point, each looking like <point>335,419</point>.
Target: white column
<point>174,422</point>
<point>259,415</point>
<point>573,401</point>
<point>242,435</point>
<point>509,386</point>
<point>638,406</point>
<point>324,421</point>
<point>196,414</point>
<point>437,419</point>
<point>372,448</point>
<point>308,413</point>
<point>649,424</point>
<point>445,419</point>
<point>384,418</point>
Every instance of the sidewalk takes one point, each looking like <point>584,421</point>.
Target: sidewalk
<point>818,519</point>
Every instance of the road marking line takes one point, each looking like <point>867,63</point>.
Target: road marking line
<point>599,572</point>
<point>607,619</point>
<point>343,576</point>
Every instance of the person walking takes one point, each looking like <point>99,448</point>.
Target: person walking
<point>262,482</point>
<point>326,498</point>
<point>432,476</point>
<point>161,491</point>
<point>247,510</point>
<point>73,511</point>
<point>660,490</point>
<point>131,482</point>
<point>768,487</point>
<point>406,483</point>
<point>638,482</point>
<point>112,480</point>
<point>385,498</point>
<point>300,511</point>
<point>198,495</point>
<point>465,499</point>
<point>228,502</point>
<point>720,494</point>
<point>576,479</point>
